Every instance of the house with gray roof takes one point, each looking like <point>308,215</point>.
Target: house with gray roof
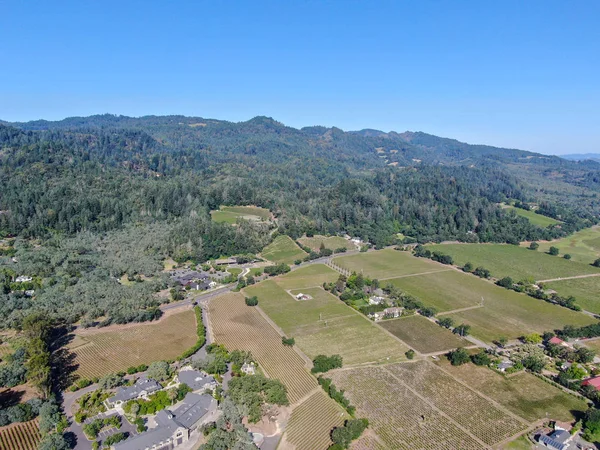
<point>172,427</point>
<point>196,379</point>
<point>557,440</point>
<point>141,389</point>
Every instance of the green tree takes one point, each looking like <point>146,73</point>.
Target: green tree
<point>159,370</point>
<point>534,246</point>
<point>459,357</point>
<point>446,322</point>
<point>553,251</point>
<point>462,330</point>
<point>596,262</point>
<point>532,338</point>
<point>252,301</point>
<point>481,359</point>
<point>567,256</point>
<point>468,267</point>
<point>410,354</point>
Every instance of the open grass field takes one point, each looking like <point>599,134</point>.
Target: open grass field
<point>308,276</point>
<point>534,219</point>
<point>235,271</point>
<point>311,423</point>
<point>20,436</point>
<point>330,242</point>
<point>230,214</point>
<point>521,443</point>
<point>423,335</point>
<point>513,261</point>
<point>583,246</point>
<point>100,352</point>
<point>242,327</point>
<point>283,250</point>
<point>490,423</point>
<point>523,394</point>
<point>388,263</point>
<point>585,290</point>
<point>325,325</point>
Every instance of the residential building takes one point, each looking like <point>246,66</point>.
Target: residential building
<point>393,312</point>
<point>141,389</point>
<point>249,368</point>
<point>23,279</point>
<point>559,439</point>
<point>196,380</point>
<point>594,381</point>
<point>173,428</point>
<point>375,300</point>
<point>558,341</point>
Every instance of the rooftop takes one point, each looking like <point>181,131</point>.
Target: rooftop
<point>130,392</point>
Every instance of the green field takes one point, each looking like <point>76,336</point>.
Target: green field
<point>524,394</point>
<point>594,344</point>
<point>521,443</point>
<point>445,291</point>
<point>330,242</point>
<point>283,250</point>
<point>583,246</point>
<point>513,261</point>
<point>423,335</point>
<point>585,290</point>
<point>235,271</point>
<point>230,214</point>
<point>534,219</point>
<point>313,275</point>
<point>388,263</point>
<point>324,324</point>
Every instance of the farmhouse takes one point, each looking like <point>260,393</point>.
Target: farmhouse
<point>594,381</point>
<point>393,312</point>
<point>173,427</point>
<point>141,389</point>
<point>195,379</point>
<point>375,300</point>
<point>249,368</point>
<point>23,279</point>
<point>559,439</point>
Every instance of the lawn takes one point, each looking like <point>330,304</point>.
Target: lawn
<point>230,214</point>
<point>534,219</point>
<point>235,271</point>
<point>521,443</point>
<point>513,261</point>
<point>504,312</point>
<point>330,242</point>
<point>583,246</point>
<point>423,335</point>
<point>585,290</point>
<point>524,394</point>
<point>594,344</point>
<point>99,352</point>
<point>242,327</point>
<point>388,263</point>
<point>325,325</point>
<point>283,250</point>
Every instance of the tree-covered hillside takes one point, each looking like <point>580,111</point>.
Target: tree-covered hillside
<point>71,191</point>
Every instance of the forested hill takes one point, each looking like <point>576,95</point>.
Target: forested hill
<point>100,172</point>
<point>90,200</point>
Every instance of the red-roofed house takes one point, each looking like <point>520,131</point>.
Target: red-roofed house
<point>595,381</point>
<point>558,341</point>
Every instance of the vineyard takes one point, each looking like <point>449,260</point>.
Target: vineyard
<point>399,417</point>
<point>330,242</point>
<point>388,263</point>
<point>106,351</point>
<point>325,325</point>
<point>20,436</point>
<point>238,326</point>
<point>469,409</point>
<point>312,421</point>
<point>423,335</point>
<point>524,394</point>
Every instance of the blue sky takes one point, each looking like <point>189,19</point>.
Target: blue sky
<point>507,73</point>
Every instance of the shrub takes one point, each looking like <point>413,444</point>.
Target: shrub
<point>553,251</point>
<point>324,363</point>
<point>290,342</point>
<point>410,354</point>
<point>534,246</point>
<point>458,357</point>
<point>252,301</point>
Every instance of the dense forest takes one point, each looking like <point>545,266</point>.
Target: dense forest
<point>86,200</point>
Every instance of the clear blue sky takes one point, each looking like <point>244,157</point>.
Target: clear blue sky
<point>524,74</point>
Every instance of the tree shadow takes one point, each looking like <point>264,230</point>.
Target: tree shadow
<point>10,398</point>
<point>63,364</point>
